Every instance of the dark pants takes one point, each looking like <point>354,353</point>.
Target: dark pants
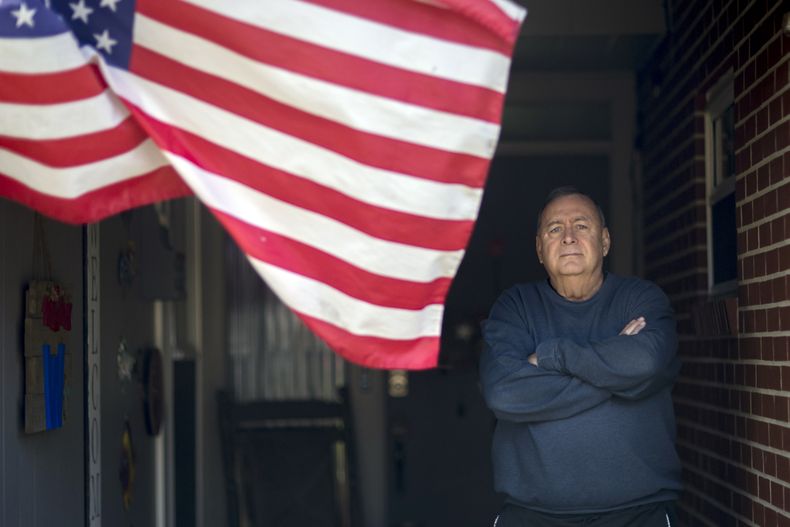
<point>660,514</point>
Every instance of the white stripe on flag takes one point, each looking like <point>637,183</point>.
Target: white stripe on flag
<point>511,9</point>
<point>323,302</point>
<point>371,113</point>
<point>378,256</point>
<point>273,148</point>
<point>59,121</point>
<point>40,55</point>
<point>73,182</point>
<point>372,40</point>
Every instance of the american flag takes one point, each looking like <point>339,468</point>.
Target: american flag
<point>344,144</point>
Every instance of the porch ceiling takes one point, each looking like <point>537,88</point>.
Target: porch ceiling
<point>585,35</point>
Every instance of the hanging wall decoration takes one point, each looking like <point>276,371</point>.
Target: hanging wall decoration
<point>47,358</point>
<point>126,470</point>
<point>153,389</point>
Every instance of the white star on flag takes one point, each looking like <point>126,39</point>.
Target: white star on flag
<point>103,41</point>
<point>24,16</point>
<point>81,11</point>
<point>110,4</point>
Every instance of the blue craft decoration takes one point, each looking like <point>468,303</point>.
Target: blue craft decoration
<point>53,385</point>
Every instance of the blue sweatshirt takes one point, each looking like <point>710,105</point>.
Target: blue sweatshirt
<point>591,428</point>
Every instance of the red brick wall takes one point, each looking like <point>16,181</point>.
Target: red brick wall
<point>733,396</point>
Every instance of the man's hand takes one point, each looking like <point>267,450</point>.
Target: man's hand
<point>634,327</point>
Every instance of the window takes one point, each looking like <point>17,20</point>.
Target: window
<point>720,169</point>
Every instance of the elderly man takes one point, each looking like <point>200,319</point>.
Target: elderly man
<point>578,370</point>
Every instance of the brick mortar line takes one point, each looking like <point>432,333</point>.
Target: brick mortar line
<point>776,215</point>
<point>757,80</point>
<point>684,187</point>
<point>780,333</point>
<point>666,158</point>
<point>697,514</point>
<point>769,71</point>
<point>766,103</point>
<point>771,127</point>
<point>744,492</point>
<point>673,45</point>
<point>657,225</point>
<point>767,159</point>
<point>672,117</point>
<point>701,520</point>
<point>745,468</point>
<point>687,294</point>
<point>679,254</point>
<point>771,450</point>
<point>683,166</point>
<point>767,248</point>
<point>771,305</point>
<point>765,278</point>
<point>675,234</point>
<point>753,168</point>
<point>684,21</point>
<point>691,271</point>
<point>696,338</point>
<point>738,362</point>
<point>765,334</point>
<point>742,387</point>
<point>652,171</point>
<point>747,442</point>
<point>678,84</point>
<point>728,508</point>
<point>738,413</point>
<point>665,138</point>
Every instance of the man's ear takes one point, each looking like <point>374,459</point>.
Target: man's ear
<point>606,241</point>
<point>539,248</point>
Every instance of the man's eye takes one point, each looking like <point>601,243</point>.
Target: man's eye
<point>554,230</point>
<point>581,226</point>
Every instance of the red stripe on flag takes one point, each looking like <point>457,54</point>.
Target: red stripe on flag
<point>308,261</point>
<point>326,64</point>
<point>51,88</point>
<point>488,15</point>
<point>376,352</point>
<point>160,184</point>
<point>421,18</point>
<point>369,149</point>
<point>386,224</point>
<point>79,150</point>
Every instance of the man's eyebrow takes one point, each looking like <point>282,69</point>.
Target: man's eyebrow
<point>576,218</point>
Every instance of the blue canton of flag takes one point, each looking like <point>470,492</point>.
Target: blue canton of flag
<point>28,19</point>
<point>104,25</point>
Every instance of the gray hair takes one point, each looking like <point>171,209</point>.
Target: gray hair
<point>561,192</point>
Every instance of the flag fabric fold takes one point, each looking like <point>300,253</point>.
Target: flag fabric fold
<point>344,145</point>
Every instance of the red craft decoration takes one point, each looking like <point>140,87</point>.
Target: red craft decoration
<point>56,310</point>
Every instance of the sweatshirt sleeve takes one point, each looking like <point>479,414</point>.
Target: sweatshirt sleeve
<point>514,389</point>
<point>628,366</point>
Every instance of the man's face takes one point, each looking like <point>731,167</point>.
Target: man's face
<point>571,240</point>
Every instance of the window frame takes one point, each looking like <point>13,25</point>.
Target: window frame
<point>719,99</point>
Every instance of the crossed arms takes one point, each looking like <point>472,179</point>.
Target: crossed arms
<point>524,380</point>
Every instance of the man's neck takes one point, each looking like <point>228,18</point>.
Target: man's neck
<point>577,288</point>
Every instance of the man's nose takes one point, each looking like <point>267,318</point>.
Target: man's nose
<point>569,236</point>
